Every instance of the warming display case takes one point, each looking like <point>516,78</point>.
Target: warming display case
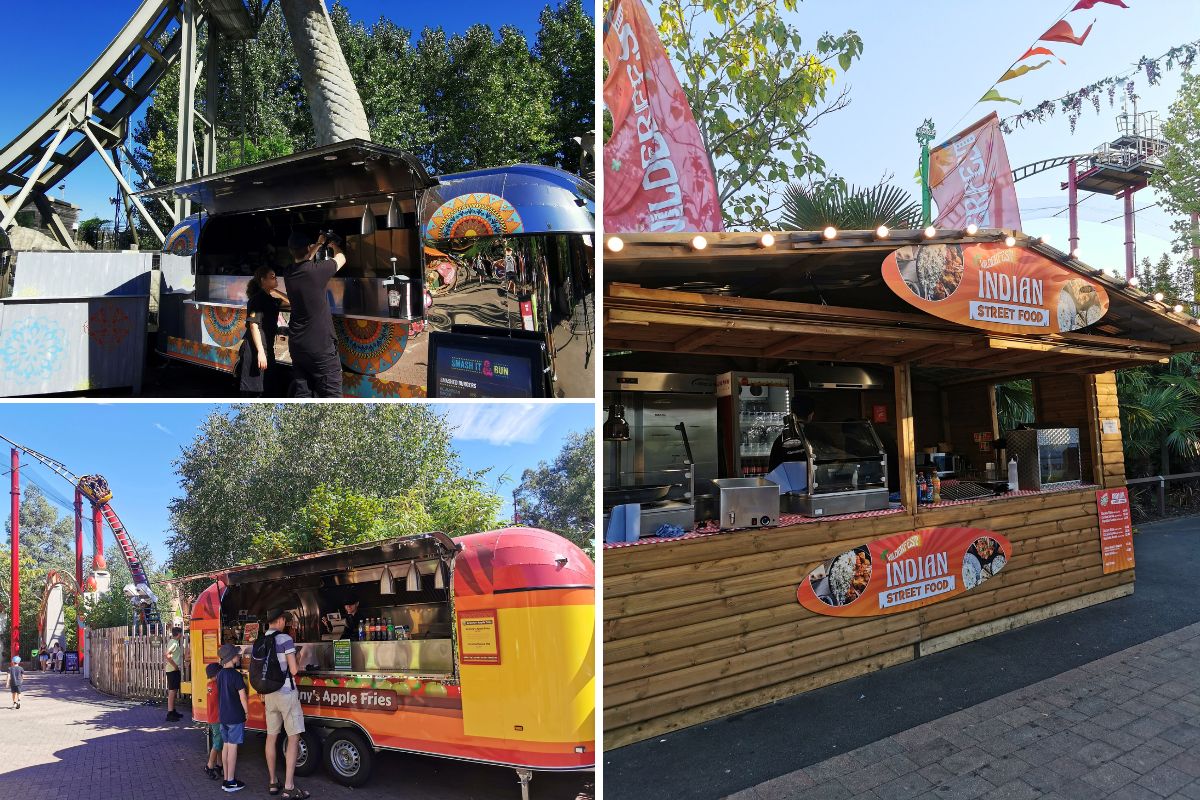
<point>847,470</point>
<point>1045,456</point>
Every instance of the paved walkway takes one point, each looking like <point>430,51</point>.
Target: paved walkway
<point>1125,726</point>
<point>68,740</point>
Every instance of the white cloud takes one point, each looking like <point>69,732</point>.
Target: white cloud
<point>164,429</point>
<point>500,424</point>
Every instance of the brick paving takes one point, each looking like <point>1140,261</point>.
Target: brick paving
<point>1124,726</point>
<point>68,740</point>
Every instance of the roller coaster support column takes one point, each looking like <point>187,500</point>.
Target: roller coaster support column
<point>1073,204</point>
<point>15,611</point>
<point>1130,234</point>
<point>185,142</point>
<point>97,533</point>
<point>79,573</point>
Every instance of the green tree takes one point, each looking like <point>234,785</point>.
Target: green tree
<point>1160,414</point>
<point>1014,404</point>
<point>756,93</point>
<point>268,480</point>
<point>832,202</point>
<point>561,496</point>
<point>89,231</point>
<point>567,51</point>
<point>1173,279</point>
<point>1179,178</point>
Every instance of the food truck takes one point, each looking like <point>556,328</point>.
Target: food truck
<point>904,518</point>
<point>489,656</point>
<point>491,265</point>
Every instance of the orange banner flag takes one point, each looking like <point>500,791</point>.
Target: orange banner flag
<point>1040,51</point>
<point>1061,31</point>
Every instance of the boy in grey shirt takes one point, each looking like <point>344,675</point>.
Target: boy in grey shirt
<point>13,679</point>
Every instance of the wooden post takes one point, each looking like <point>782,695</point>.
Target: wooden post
<point>906,448</point>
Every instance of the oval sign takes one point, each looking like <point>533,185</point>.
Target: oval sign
<point>998,288</point>
<point>904,571</point>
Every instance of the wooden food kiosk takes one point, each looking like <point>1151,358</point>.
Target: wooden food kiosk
<point>704,622</point>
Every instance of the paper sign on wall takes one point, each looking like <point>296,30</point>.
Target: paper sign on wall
<point>208,648</point>
<point>478,637</point>
<point>1116,529</point>
<point>1110,426</point>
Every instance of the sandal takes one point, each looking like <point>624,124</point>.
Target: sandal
<point>296,794</point>
<point>274,788</point>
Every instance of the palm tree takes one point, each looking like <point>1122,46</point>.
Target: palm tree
<point>848,207</point>
<point>1160,412</point>
<point>1014,404</point>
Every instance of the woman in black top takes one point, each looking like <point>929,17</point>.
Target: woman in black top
<point>257,356</point>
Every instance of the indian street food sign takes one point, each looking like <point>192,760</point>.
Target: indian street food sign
<point>904,571</point>
<point>994,287</point>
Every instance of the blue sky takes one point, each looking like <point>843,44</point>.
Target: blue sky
<point>83,29</point>
<point>936,57</point>
<point>134,444</point>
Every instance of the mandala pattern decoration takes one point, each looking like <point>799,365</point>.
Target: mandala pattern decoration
<point>223,359</point>
<point>109,327</point>
<point>32,350</point>
<point>224,324</point>
<point>474,214</point>
<point>369,347</point>
<point>181,240</point>
<point>370,386</point>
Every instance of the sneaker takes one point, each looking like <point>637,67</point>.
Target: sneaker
<point>232,786</point>
<point>212,772</point>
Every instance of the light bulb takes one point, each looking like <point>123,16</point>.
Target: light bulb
<point>1158,297</point>
<point>699,243</point>
<point>1010,241</point>
<point>830,232</point>
<point>1179,308</point>
<point>1075,254</point>
<point>972,229</point>
<point>615,244</point>
<point>1044,239</point>
<point>930,232</point>
<point>882,231</point>
<point>767,240</point>
<point>1134,281</point>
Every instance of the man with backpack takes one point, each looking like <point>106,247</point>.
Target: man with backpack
<point>272,674</point>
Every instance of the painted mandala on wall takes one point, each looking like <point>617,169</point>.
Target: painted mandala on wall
<point>369,347</point>
<point>108,327</point>
<point>475,214</point>
<point>32,350</point>
<point>224,324</point>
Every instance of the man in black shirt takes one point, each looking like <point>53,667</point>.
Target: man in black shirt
<point>316,366</point>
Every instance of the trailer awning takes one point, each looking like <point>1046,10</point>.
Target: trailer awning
<point>336,172</point>
<point>509,201</point>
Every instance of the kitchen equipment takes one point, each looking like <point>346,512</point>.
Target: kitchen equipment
<point>635,494</point>
<point>751,408</point>
<point>1046,456</point>
<point>747,503</point>
<point>946,465</point>
<point>847,470</point>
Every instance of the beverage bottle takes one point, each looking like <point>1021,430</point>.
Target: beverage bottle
<point>371,630</point>
<point>362,631</point>
<point>377,636</point>
<point>921,487</point>
<point>391,632</point>
<point>937,488</point>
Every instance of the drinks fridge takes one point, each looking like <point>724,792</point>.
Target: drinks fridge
<point>750,411</point>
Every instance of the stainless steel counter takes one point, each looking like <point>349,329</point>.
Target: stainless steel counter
<point>414,655</point>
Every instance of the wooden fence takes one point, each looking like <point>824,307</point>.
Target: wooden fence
<point>125,664</point>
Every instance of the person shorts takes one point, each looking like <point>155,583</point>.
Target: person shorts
<point>214,730</point>
<point>15,688</point>
<point>173,678</point>
<point>283,711</point>
<point>233,734</point>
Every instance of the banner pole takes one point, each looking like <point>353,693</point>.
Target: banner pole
<point>925,135</point>
<point>15,611</point>
<point>79,634</point>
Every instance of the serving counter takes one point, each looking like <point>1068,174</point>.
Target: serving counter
<point>411,656</point>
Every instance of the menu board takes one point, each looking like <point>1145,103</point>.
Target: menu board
<point>994,287</point>
<point>341,654</point>
<point>471,365</point>
<point>208,643</point>
<point>1116,529</point>
<point>478,638</point>
<point>71,661</point>
<point>904,571</point>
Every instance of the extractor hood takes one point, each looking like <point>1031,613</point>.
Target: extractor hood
<point>834,376</point>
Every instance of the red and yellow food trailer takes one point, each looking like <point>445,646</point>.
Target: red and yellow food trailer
<point>497,666</point>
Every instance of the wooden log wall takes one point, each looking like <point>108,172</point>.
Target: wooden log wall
<point>702,628</point>
<point>131,665</point>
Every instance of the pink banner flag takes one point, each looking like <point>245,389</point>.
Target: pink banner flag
<point>657,174</point>
<point>1084,5</point>
<point>971,180</point>
<point>1062,31</point>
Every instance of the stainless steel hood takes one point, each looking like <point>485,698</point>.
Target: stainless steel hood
<point>836,376</point>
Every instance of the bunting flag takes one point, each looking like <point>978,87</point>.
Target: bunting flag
<point>1084,5</point>
<point>657,173</point>
<point>1061,31</point>
<point>971,180</point>
<point>993,95</point>
<point>1017,72</point>
<point>1040,51</point>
